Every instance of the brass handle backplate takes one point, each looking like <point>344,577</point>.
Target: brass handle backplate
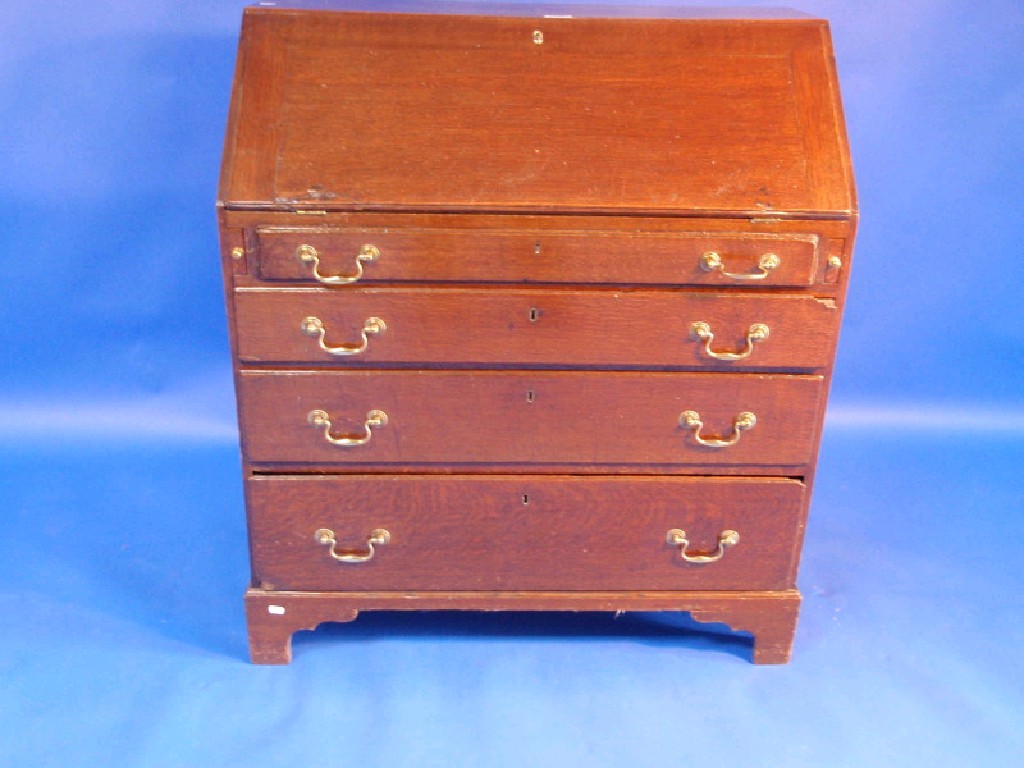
<point>374,418</point>
<point>712,261</point>
<point>314,326</point>
<point>678,538</point>
<point>307,254</point>
<point>702,332</point>
<point>377,537</point>
<point>691,420</point>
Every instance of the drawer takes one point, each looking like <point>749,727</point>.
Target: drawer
<point>533,417</point>
<point>534,327</point>
<point>538,255</point>
<point>505,532</point>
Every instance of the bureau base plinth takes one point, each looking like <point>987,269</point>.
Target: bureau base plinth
<point>273,616</point>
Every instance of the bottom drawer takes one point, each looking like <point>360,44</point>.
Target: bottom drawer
<point>524,533</point>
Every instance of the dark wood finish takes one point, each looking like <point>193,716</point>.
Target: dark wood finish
<point>729,116</point>
<point>542,328</point>
<point>523,252</point>
<point>493,533</point>
<point>541,417</point>
<point>490,252</point>
<point>582,177</point>
<point>547,10</point>
<point>538,470</point>
<point>273,616</point>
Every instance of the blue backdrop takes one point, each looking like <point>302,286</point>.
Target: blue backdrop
<point>122,555</point>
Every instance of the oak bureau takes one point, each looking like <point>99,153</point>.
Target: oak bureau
<point>532,311</point>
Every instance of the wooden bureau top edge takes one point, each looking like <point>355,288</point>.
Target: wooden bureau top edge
<point>571,9</point>
<point>447,112</point>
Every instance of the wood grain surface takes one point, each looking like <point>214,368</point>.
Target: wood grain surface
<point>274,615</point>
<point>479,113</point>
<point>541,192</point>
<point>523,328</point>
<point>547,10</point>
<point>541,417</point>
<point>483,247</point>
<point>523,251</point>
<point>490,533</point>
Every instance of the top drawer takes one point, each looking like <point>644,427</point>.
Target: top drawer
<point>342,256</point>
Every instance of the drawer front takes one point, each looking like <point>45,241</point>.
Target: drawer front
<point>502,532</point>
<point>535,327</point>
<point>543,256</point>
<point>539,417</point>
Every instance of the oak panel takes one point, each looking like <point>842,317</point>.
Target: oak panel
<point>524,252</point>
<point>517,328</point>
<point>472,533</point>
<point>473,112</point>
<point>538,417</point>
